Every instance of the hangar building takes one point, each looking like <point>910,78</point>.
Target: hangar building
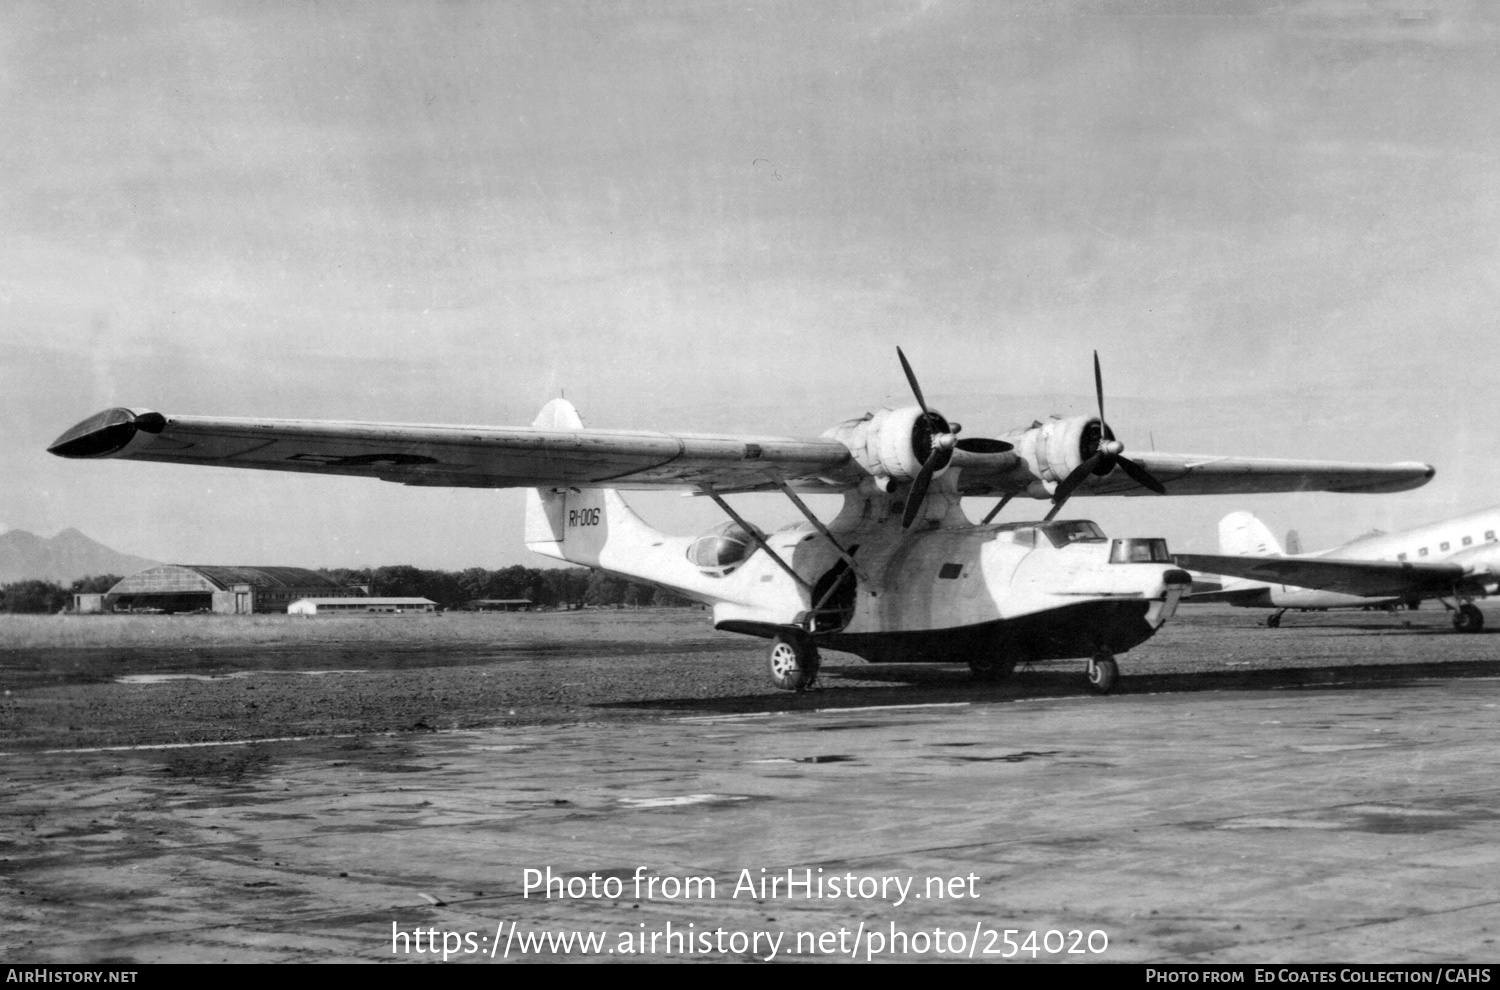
<point>228,590</point>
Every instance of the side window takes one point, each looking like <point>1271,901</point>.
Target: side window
<point>1468,541</point>
<point>1400,556</point>
<point>1422,552</point>
<point>1489,534</point>
<point>1443,545</point>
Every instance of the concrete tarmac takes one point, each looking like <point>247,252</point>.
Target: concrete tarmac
<point>1344,823</point>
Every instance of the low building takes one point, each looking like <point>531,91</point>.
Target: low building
<point>209,587</point>
<point>88,603</point>
<point>362,606</point>
<point>499,605</point>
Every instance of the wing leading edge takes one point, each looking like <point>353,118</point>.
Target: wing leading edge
<point>526,457</point>
<point>456,456</point>
<point>1206,474</point>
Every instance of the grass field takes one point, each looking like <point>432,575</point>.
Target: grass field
<point>645,626</point>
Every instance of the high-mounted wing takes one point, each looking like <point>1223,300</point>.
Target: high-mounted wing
<point>459,456</point>
<point>894,447</point>
<point>1368,578</point>
<point>1202,474</point>
<point>1205,474</point>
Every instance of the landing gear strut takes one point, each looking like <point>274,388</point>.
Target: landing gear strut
<point>1103,672</point>
<point>1468,619</point>
<point>1273,621</point>
<point>794,662</point>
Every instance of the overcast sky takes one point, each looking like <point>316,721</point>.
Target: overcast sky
<point>1281,232</point>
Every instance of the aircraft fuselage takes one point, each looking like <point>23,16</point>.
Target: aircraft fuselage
<point>1470,540</point>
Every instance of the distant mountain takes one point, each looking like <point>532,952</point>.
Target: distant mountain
<point>64,558</point>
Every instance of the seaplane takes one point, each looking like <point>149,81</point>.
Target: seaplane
<point>900,574</point>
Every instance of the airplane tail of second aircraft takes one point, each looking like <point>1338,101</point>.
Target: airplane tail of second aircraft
<point>1244,535</point>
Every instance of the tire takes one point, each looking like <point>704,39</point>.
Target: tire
<point>990,669</point>
<point>1468,619</point>
<point>1103,674</point>
<point>1273,621</point>
<point>794,663</point>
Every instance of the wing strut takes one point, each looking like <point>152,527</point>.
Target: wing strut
<point>754,534</point>
<point>818,525</point>
<point>996,510</point>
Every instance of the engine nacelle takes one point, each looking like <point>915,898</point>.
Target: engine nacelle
<point>893,444</point>
<point>1056,448</point>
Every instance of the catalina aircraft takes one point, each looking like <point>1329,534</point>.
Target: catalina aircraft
<point>901,574</point>
<point>1454,561</point>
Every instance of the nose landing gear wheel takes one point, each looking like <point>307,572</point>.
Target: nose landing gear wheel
<point>1103,673</point>
<point>794,663</point>
<point>1468,618</point>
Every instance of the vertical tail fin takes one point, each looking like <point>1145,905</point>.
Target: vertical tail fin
<point>545,507</point>
<point>591,526</point>
<point>1243,535</point>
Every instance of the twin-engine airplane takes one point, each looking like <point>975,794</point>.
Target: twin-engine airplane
<point>1457,559</point>
<point>900,575</point>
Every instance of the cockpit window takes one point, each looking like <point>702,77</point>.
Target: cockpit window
<point>721,549</point>
<point>1073,531</point>
<point>1140,551</point>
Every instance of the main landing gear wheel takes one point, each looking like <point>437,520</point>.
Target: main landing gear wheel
<point>794,663</point>
<point>1468,618</point>
<point>991,668</point>
<point>1273,621</point>
<point>1103,673</point>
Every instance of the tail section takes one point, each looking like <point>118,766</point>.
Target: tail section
<point>1243,535</point>
<point>590,526</point>
<point>594,527</point>
<point>581,525</point>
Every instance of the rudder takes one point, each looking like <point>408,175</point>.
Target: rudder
<point>1243,535</point>
<point>576,524</point>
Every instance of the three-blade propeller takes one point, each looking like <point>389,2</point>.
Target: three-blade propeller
<point>1108,456</point>
<point>942,437</point>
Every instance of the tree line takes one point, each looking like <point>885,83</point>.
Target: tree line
<point>570,587</point>
<point>49,596</point>
<point>553,587</point>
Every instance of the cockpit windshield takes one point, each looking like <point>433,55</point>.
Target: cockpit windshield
<point>1072,531</point>
<point>1060,533</point>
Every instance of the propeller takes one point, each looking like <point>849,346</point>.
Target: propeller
<point>943,440</point>
<point>1108,456</point>
<point>942,445</point>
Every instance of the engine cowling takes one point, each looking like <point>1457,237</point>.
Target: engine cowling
<point>1056,448</point>
<point>894,443</point>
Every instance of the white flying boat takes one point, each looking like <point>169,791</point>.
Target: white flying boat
<point>900,575</point>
